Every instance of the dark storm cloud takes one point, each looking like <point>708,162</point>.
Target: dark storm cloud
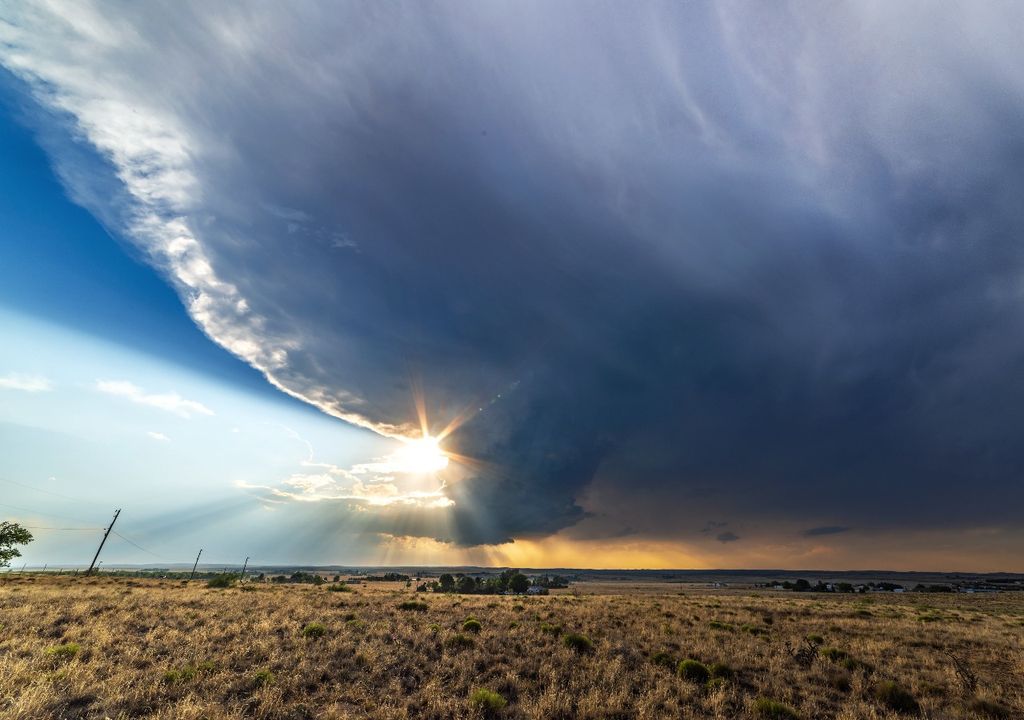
<point>727,537</point>
<point>728,260</point>
<point>825,530</point>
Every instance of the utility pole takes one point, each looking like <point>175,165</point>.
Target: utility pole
<point>196,565</point>
<point>105,533</point>
<point>245,565</point>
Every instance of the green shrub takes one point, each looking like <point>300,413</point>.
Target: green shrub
<point>774,710</point>
<point>414,605</point>
<point>64,652</point>
<point>262,678</point>
<point>721,670</point>
<point>458,641</point>
<point>754,629</point>
<point>815,639</point>
<point>472,625</point>
<point>224,580</point>
<point>895,698</point>
<point>578,642</point>
<point>551,629</point>
<point>719,625</point>
<point>339,587</point>
<point>693,670</point>
<point>314,630</point>
<point>488,700</point>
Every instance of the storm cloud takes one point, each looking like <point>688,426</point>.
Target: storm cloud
<point>666,262</point>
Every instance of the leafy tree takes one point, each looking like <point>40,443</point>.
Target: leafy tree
<point>519,583</point>
<point>467,584</point>
<point>12,534</point>
<point>446,583</point>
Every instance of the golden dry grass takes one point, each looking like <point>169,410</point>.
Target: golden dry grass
<point>163,649</point>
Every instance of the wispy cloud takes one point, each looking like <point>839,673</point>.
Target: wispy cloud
<point>158,436</point>
<point>727,537</point>
<point>170,402</point>
<point>25,383</point>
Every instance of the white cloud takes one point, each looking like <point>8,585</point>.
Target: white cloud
<point>314,488</point>
<point>169,402</point>
<point>25,383</point>
<point>72,58</point>
<point>158,436</point>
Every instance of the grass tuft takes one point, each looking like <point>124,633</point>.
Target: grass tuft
<point>64,652</point>
<point>774,710</point>
<point>693,670</point>
<point>895,697</point>
<point>578,642</point>
<point>487,700</point>
<point>314,630</point>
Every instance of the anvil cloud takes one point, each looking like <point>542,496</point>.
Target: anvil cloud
<point>670,262</point>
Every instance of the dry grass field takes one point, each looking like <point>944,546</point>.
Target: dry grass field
<point>119,648</point>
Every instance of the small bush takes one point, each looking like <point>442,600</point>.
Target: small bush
<point>224,580</point>
<point>895,698</point>
<point>488,700</point>
<point>754,629</point>
<point>458,641</point>
<point>721,670</point>
<point>64,652</point>
<point>339,587</point>
<point>414,605</point>
<point>262,678</point>
<point>551,629</point>
<point>314,630</point>
<point>719,625</point>
<point>578,642</point>
<point>472,625</point>
<point>694,671</point>
<point>815,639</point>
<point>774,710</point>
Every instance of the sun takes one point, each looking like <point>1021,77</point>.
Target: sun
<point>419,456</point>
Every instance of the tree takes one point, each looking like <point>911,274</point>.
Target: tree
<point>447,583</point>
<point>519,583</point>
<point>12,534</point>
<point>467,584</point>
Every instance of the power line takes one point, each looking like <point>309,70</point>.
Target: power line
<point>132,542</point>
<point>40,527</point>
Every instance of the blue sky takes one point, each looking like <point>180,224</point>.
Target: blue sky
<point>695,284</point>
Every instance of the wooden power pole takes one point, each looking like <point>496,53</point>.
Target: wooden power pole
<point>245,565</point>
<point>196,565</point>
<point>105,534</point>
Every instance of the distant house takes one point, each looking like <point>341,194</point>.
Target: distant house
<point>536,590</point>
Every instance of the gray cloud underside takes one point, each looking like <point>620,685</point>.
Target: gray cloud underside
<point>768,250</point>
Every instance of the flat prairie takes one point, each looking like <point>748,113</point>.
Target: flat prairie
<point>118,648</point>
